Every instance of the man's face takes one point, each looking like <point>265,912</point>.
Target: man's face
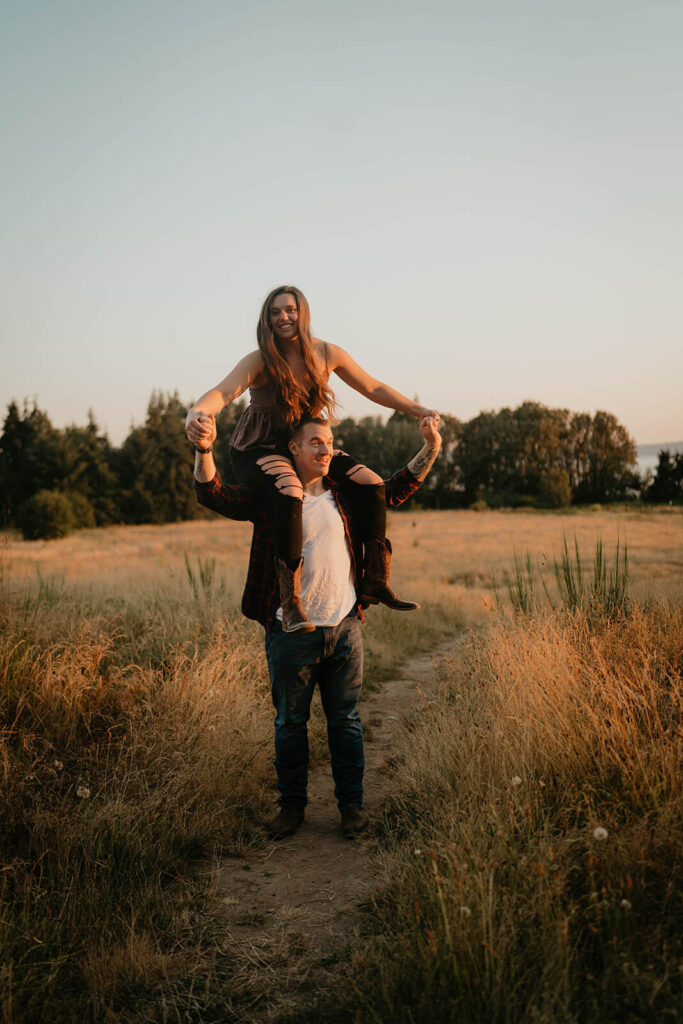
<point>313,450</point>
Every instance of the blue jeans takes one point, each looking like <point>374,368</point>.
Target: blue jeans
<point>332,657</point>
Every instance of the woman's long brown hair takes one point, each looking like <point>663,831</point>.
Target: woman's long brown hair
<point>294,400</point>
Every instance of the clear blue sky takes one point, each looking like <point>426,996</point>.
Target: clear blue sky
<point>482,202</point>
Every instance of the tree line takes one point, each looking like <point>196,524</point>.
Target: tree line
<point>53,480</point>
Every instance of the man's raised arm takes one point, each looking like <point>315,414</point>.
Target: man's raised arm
<point>407,481</point>
<point>231,501</point>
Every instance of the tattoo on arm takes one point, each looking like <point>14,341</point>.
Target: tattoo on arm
<point>423,462</point>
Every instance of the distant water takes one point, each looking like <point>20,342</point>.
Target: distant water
<point>648,454</point>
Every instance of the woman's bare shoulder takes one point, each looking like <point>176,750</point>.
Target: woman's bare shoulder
<point>245,373</point>
<point>254,363</point>
<point>331,355</point>
<point>254,358</point>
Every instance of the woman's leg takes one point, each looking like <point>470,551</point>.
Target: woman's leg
<point>272,476</point>
<point>365,490</point>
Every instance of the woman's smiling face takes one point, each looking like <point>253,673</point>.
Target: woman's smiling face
<point>284,316</point>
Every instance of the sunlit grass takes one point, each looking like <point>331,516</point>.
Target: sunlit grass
<point>137,734</point>
<point>534,848</point>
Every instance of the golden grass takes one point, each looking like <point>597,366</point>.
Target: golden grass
<point>123,681</point>
<point>116,772</point>
<point>534,849</point>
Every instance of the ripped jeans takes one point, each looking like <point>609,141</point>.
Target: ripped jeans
<point>284,511</point>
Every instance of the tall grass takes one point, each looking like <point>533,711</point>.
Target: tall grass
<point>603,592</point>
<point>116,773</point>
<point>534,850</point>
<point>136,732</point>
<point>135,735</point>
<point>606,592</point>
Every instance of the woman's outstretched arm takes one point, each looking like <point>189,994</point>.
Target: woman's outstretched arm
<point>231,387</point>
<point>340,362</point>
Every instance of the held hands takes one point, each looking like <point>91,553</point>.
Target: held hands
<point>428,429</point>
<point>201,429</point>
<point>207,430</point>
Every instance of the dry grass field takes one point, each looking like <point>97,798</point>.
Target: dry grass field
<point>136,734</point>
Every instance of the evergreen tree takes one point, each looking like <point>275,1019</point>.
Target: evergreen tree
<point>90,470</point>
<point>479,455</point>
<point>155,466</point>
<point>364,440</point>
<point>32,457</point>
<point>667,485</point>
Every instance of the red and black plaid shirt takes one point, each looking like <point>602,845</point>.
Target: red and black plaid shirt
<point>261,598</point>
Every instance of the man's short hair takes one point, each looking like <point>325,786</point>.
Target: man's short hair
<point>298,427</point>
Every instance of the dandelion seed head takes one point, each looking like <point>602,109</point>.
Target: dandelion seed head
<point>600,833</point>
<point>83,792</point>
<point>515,781</point>
<point>626,904</point>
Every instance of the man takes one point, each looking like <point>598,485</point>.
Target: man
<point>331,655</point>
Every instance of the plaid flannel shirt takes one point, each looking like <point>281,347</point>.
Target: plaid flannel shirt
<point>261,598</point>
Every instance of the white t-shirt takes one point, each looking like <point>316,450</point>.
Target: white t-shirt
<point>327,590</point>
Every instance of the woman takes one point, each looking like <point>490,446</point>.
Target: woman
<point>288,376</point>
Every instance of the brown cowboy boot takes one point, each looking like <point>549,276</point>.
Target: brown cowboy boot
<point>353,822</point>
<point>374,587</point>
<point>285,823</point>
<point>293,617</point>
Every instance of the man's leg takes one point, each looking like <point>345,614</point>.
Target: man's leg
<point>293,664</point>
<point>341,676</point>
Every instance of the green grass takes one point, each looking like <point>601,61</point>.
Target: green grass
<point>602,591</point>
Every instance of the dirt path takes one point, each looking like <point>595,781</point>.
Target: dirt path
<point>288,908</point>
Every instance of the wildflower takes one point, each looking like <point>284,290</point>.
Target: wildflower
<point>83,792</point>
<point>600,833</point>
<point>58,765</point>
<point>465,911</point>
<point>417,851</point>
<point>515,781</point>
<point>626,904</point>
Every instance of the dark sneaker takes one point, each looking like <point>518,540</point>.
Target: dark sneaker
<point>285,822</point>
<point>353,821</point>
